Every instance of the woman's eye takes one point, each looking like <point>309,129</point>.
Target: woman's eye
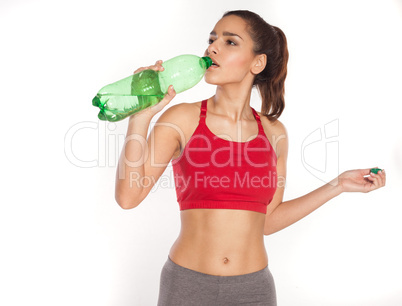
<point>229,42</point>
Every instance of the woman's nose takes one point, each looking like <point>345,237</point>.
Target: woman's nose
<point>212,49</point>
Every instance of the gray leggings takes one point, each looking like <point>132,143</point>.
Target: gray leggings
<point>182,286</point>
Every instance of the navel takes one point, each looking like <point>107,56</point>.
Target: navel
<point>225,260</point>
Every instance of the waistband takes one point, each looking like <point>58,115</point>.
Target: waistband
<point>208,278</point>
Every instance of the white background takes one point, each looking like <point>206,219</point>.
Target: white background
<point>65,241</point>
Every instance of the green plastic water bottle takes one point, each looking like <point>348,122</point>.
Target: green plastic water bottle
<point>146,88</point>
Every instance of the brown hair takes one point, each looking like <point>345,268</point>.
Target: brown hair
<point>271,41</point>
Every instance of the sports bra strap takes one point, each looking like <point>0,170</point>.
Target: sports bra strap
<point>257,117</point>
<point>203,114</point>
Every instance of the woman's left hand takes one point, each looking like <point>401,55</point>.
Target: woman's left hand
<point>361,180</point>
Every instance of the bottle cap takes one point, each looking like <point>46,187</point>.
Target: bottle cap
<point>207,61</point>
<point>375,170</point>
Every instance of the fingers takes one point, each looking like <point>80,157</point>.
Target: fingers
<point>171,93</point>
<point>377,180</point>
<point>157,67</point>
<point>383,177</point>
<point>365,171</point>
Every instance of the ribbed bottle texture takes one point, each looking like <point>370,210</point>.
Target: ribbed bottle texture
<point>123,98</point>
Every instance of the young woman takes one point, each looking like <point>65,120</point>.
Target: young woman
<point>229,165</point>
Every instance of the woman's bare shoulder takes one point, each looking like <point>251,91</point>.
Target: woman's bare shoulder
<point>276,127</point>
<point>181,113</point>
<point>184,107</point>
<point>182,119</point>
<point>276,133</point>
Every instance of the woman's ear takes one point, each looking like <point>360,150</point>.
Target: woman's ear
<point>259,63</point>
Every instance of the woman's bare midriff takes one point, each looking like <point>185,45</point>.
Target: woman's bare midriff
<point>220,242</point>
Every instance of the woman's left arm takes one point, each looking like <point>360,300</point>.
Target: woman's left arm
<point>282,214</point>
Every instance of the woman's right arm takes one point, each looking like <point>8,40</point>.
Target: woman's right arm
<point>143,161</point>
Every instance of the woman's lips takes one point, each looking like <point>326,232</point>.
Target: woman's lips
<point>212,67</point>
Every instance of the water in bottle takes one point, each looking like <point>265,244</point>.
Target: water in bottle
<point>123,98</point>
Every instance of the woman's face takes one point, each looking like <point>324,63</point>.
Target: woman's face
<point>231,48</point>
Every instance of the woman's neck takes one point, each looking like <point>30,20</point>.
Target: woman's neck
<point>233,101</point>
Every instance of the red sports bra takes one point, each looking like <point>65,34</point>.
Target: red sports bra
<point>216,173</point>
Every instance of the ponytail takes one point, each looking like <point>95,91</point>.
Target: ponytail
<point>271,41</point>
<point>272,90</point>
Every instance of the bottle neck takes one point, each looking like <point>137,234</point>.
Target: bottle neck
<point>207,62</point>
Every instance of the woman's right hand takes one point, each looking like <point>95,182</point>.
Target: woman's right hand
<point>152,110</point>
